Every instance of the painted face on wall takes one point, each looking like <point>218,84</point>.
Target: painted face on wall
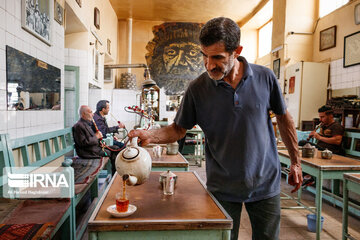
<point>174,56</point>
<point>181,56</point>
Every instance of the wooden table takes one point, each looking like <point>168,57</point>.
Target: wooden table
<point>323,169</point>
<point>172,162</point>
<point>191,213</point>
<point>351,183</point>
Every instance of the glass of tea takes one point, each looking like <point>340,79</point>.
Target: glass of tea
<point>122,202</point>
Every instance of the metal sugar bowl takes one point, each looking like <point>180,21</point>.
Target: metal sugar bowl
<point>167,174</point>
<point>326,154</point>
<point>308,151</point>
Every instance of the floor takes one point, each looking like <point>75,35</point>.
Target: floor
<point>293,222</point>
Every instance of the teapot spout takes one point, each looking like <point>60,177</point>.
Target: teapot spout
<point>130,180</point>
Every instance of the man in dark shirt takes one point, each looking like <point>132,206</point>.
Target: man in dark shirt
<point>231,103</point>
<point>87,141</point>
<point>102,109</point>
<point>331,132</point>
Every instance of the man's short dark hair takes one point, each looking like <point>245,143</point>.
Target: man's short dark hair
<point>221,29</point>
<point>101,104</point>
<point>326,109</point>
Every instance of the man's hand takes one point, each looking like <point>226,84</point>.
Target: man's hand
<point>315,135</point>
<point>143,136</point>
<point>98,134</point>
<point>295,177</point>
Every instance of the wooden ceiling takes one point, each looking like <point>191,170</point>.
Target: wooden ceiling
<point>186,10</point>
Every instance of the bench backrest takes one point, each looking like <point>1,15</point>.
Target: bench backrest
<point>4,157</point>
<point>46,148</point>
<point>351,143</point>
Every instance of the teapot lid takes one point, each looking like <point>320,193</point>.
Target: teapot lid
<point>130,153</point>
<point>327,151</point>
<point>308,145</point>
<point>168,173</point>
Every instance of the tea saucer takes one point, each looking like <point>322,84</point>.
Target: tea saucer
<point>112,210</point>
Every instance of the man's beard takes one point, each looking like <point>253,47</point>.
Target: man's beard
<point>225,73</point>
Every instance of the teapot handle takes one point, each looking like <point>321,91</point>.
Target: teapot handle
<point>133,142</point>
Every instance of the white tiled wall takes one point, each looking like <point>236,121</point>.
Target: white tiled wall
<point>121,98</point>
<point>341,77</point>
<point>25,123</point>
<point>96,95</point>
<point>80,58</point>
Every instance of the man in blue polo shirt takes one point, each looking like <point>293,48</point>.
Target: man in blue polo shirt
<point>231,103</point>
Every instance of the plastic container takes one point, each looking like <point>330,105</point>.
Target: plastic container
<point>311,221</point>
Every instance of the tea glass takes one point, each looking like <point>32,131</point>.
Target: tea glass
<point>122,202</point>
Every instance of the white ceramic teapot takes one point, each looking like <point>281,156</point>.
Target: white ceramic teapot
<point>135,162</point>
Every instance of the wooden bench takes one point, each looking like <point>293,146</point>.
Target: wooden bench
<point>48,150</point>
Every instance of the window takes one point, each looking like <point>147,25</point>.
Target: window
<point>265,36</point>
<point>327,6</point>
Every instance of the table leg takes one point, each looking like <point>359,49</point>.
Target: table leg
<point>299,194</point>
<point>318,199</point>
<point>345,211</point>
<point>93,236</point>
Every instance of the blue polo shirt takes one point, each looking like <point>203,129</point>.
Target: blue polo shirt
<point>242,164</point>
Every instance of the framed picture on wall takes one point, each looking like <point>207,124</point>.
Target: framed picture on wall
<point>37,18</point>
<point>276,68</point>
<point>59,13</point>
<point>357,13</point>
<point>351,49</point>
<point>327,38</point>
<point>97,18</point>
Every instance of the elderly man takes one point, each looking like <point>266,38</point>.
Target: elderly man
<point>102,109</point>
<point>87,141</point>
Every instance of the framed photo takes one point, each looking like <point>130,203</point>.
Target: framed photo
<point>276,68</point>
<point>78,2</point>
<point>97,18</point>
<point>327,38</point>
<point>36,18</point>
<point>59,13</point>
<point>357,13</point>
<point>351,49</point>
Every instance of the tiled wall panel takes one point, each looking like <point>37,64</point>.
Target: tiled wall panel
<point>24,123</point>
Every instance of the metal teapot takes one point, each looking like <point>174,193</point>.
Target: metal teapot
<point>134,163</point>
<point>326,154</point>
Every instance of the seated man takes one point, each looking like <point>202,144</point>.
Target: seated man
<point>87,142</point>
<point>102,109</point>
<point>331,132</point>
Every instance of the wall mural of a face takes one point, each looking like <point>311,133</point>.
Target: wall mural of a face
<point>174,56</point>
